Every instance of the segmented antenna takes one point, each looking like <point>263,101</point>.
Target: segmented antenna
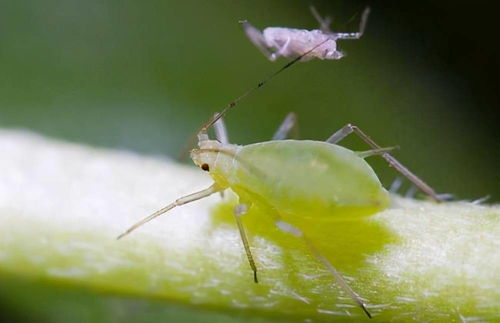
<point>235,102</point>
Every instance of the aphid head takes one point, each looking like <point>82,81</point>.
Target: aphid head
<point>206,156</point>
<point>216,158</point>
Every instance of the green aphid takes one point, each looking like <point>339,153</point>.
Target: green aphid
<point>293,180</point>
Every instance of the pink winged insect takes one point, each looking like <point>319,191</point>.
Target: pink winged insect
<point>274,42</point>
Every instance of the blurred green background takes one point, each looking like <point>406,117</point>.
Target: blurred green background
<point>143,76</point>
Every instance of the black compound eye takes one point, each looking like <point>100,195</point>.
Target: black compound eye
<point>205,167</point>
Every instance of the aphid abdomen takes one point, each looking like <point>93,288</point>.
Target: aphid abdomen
<point>309,178</point>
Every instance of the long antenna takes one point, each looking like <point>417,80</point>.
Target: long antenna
<point>235,102</point>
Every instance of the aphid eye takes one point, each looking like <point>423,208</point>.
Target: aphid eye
<point>205,167</point>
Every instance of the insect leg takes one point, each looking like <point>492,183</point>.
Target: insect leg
<point>481,200</point>
<point>410,193</point>
<point>257,38</point>
<point>362,26</point>
<point>288,124</point>
<point>393,162</point>
<point>373,152</point>
<point>336,275</point>
<point>180,201</point>
<point>396,185</point>
<point>281,51</point>
<point>239,210</point>
<point>340,134</point>
<point>222,136</point>
<point>324,24</point>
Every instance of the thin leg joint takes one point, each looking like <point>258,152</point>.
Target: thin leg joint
<point>239,210</point>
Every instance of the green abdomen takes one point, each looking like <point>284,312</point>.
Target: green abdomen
<point>308,179</point>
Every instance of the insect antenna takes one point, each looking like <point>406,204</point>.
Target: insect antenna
<point>235,102</point>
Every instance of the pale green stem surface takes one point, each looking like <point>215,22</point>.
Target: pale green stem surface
<point>62,206</point>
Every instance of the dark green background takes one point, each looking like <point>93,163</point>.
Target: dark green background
<point>143,76</point>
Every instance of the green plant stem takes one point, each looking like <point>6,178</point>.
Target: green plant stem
<point>62,206</point>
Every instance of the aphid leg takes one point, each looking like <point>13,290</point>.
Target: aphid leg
<point>257,38</point>
<point>324,24</point>
<point>288,124</point>
<point>481,200</point>
<point>180,201</point>
<point>281,51</point>
<point>336,275</point>
<point>393,162</point>
<point>362,26</point>
<point>374,152</point>
<point>340,280</point>
<point>446,196</point>
<point>396,185</point>
<point>337,54</point>
<point>221,132</point>
<point>222,136</point>
<point>340,134</point>
<point>410,192</point>
<point>239,210</point>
